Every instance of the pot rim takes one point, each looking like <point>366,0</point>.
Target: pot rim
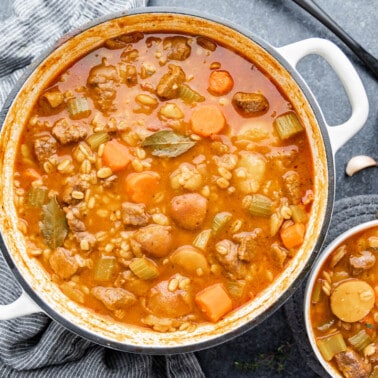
<point>291,288</point>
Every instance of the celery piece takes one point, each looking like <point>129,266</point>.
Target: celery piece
<point>317,291</point>
<point>298,214</point>
<point>260,205</point>
<point>287,125</point>
<point>96,139</point>
<point>104,268</point>
<point>78,107</point>
<point>219,222</point>
<point>189,95</point>
<point>144,268</point>
<point>360,340</point>
<point>202,239</point>
<point>236,288</point>
<point>331,345</point>
<point>37,196</point>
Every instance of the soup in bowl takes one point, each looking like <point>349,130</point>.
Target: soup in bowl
<point>341,304</point>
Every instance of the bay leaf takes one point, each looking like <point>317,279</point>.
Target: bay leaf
<point>167,143</point>
<point>53,224</point>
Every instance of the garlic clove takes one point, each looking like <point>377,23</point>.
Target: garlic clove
<point>357,163</point>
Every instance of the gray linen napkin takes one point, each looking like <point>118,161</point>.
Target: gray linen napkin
<point>35,346</point>
<point>348,212</point>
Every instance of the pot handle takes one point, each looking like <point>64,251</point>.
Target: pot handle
<point>23,305</point>
<point>353,86</point>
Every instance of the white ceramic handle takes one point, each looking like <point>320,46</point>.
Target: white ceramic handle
<point>23,305</point>
<point>354,88</point>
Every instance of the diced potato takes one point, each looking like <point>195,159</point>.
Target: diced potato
<point>171,110</point>
<point>254,131</point>
<point>186,176</point>
<point>249,172</point>
<point>190,259</point>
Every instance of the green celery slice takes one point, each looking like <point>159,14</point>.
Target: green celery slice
<point>287,125</point>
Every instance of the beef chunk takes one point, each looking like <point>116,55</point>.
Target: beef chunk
<point>109,181</point>
<point>177,47</point>
<point>206,43</point>
<point>63,263</point>
<point>123,40</point>
<point>114,298</point>
<point>67,132</point>
<point>102,82</point>
<point>189,210</point>
<point>363,261</point>
<point>78,183</point>
<point>226,253</point>
<point>250,104</point>
<point>86,239</point>
<point>248,244</point>
<point>77,226</point>
<point>134,214</point>
<point>352,364</point>
<point>155,240</point>
<point>45,146</point>
<point>279,254</point>
<point>169,85</point>
<point>73,221</point>
<point>292,187</point>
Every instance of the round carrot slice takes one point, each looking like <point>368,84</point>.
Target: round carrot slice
<point>352,300</point>
<point>207,120</point>
<point>220,83</point>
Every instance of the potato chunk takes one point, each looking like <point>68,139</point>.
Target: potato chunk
<point>352,300</point>
<point>154,239</point>
<point>189,210</point>
<point>190,259</point>
<point>162,300</point>
<point>250,172</point>
<point>63,263</point>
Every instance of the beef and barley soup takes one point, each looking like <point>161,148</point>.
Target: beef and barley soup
<point>344,308</point>
<point>163,180</point>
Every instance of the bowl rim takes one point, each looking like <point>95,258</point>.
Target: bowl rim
<point>310,284</point>
<point>329,166</point>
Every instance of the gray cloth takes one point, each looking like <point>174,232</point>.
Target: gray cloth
<point>35,346</point>
<point>348,212</point>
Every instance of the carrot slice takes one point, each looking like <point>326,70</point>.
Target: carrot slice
<point>214,301</point>
<point>142,186</point>
<point>32,174</point>
<point>116,155</point>
<point>220,83</point>
<point>207,120</point>
<point>293,236</point>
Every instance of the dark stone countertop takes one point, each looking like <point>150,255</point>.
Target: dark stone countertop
<point>280,22</point>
